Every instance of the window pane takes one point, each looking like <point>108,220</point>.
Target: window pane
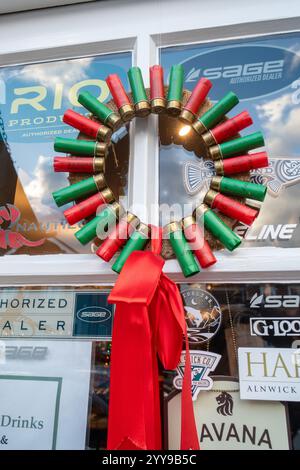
<point>264,73</point>
<point>33,99</point>
<point>220,318</point>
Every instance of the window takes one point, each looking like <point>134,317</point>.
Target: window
<point>233,298</point>
<point>33,99</point>
<point>263,72</point>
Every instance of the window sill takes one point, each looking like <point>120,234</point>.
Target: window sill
<point>246,264</point>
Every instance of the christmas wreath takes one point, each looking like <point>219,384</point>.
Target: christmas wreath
<point>149,319</point>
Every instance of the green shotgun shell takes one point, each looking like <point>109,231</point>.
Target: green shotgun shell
<point>217,227</point>
<point>141,104</point>
<point>99,225</point>
<point>137,241</point>
<point>216,113</point>
<point>237,146</point>
<point>181,249</point>
<point>78,190</point>
<point>81,147</point>
<point>174,96</point>
<point>100,110</point>
<point>238,188</point>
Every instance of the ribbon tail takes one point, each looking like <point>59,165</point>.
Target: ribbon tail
<point>149,319</point>
<point>126,420</point>
<point>134,408</point>
<point>171,331</point>
<point>189,436</point>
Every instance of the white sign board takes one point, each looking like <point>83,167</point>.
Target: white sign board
<point>55,313</point>
<point>269,374</point>
<point>44,394</point>
<point>225,422</point>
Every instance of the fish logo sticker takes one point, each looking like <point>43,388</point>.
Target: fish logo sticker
<point>281,173</point>
<point>202,363</point>
<point>197,176</point>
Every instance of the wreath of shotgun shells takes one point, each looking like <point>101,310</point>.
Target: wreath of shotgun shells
<point>228,153</point>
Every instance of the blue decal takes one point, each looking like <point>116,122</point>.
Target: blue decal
<point>93,315</point>
<point>248,70</point>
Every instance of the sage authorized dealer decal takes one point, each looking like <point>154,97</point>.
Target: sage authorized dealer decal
<point>225,422</point>
<point>44,394</point>
<point>264,72</point>
<point>55,313</point>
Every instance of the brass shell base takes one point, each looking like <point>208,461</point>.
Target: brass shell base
<point>114,121</point>
<point>108,195</point>
<point>215,152</point>
<point>100,181</point>
<point>142,109</point>
<point>174,108</point>
<point>199,127</point>
<point>104,134</point>
<point>143,229</point>
<point>127,112</point>
<point>171,227</point>
<point>200,210</point>
<point>132,219</point>
<point>187,117</point>
<point>101,149</point>
<point>209,197</point>
<point>208,138</point>
<point>188,221</point>
<point>99,165</point>
<point>215,183</point>
<point>158,106</point>
<point>117,209</point>
<point>219,167</point>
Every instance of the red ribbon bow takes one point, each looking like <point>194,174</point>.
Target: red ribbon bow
<point>149,320</point>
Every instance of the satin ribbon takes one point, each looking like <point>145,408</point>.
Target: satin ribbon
<point>149,321</point>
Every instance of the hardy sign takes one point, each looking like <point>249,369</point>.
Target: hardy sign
<point>269,374</point>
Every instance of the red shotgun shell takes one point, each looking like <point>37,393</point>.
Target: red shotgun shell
<point>79,164</point>
<point>230,207</point>
<point>87,126</point>
<point>118,237</point>
<point>89,206</point>
<point>120,97</point>
<point>227,129</point>
<point>194,102</point>
<point>157,91</point>
<point>197,242</point>
<point>231,166</point>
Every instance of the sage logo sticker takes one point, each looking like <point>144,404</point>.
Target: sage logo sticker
<point>274,301</point>
<point>202,363</point>
<point>249,70</point>
<point>93,315</point>
<point>275,326</point>
<point>202,314</point>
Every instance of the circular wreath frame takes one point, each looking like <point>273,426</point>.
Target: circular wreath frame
<point>191,142</point>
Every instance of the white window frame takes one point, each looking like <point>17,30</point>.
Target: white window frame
<point>151,33</point>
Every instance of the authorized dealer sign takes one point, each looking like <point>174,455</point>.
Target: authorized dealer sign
<point>55,313</point>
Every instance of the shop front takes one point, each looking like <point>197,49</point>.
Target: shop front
<point>241,314</point>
